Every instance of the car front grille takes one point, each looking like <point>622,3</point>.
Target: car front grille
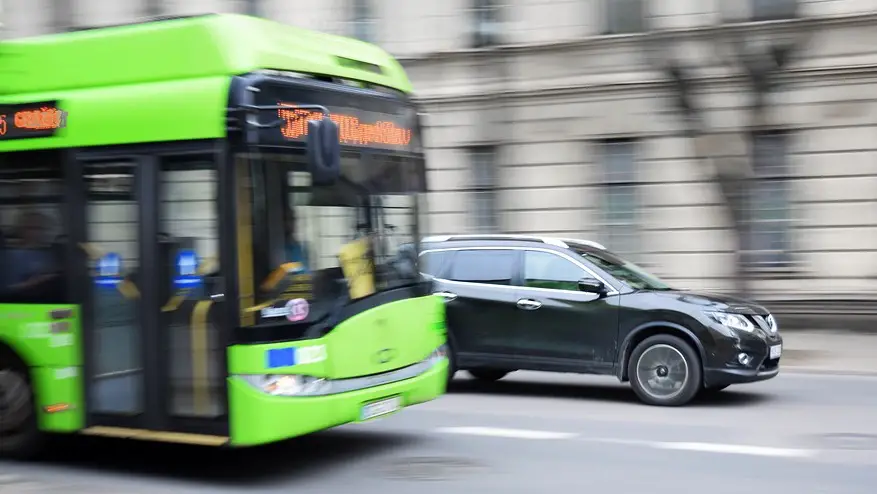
<point>765,323</point>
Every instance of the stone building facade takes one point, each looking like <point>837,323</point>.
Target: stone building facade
<point>550,117</point>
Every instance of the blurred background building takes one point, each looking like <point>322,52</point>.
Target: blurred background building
<point>552,117</point>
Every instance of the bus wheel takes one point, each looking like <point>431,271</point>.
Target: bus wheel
<point>20,437</point>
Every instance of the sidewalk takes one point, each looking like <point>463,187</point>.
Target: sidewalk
<point>827,351</point>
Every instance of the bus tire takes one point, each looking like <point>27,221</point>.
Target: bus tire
<point>20,436</point>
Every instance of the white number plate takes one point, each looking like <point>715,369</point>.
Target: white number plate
<point>776,351</point>
<point>379,408</point>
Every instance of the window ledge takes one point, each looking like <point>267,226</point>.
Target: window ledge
<point>788,271</point>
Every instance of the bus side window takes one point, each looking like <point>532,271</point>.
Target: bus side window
<point>31,207</point>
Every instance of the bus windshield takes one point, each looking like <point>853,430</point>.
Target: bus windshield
<point>302,232</point>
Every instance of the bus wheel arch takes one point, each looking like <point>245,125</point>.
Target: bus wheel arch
<point>20,436</point>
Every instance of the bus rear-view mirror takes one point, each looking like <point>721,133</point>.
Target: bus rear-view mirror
<point>323,151</point>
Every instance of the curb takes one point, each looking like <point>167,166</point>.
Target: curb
<point>803,369</point>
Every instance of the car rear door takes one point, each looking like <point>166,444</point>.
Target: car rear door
<point>477,284</point>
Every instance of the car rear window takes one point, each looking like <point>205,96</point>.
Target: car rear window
<point>494,267</point>
<point>432,263</point>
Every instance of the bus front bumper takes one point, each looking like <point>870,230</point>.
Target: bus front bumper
<point>260,418</point>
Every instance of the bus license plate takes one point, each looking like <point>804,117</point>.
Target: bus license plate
<point>776,351</point>
<point>379,408</point>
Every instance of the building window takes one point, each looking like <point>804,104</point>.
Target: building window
<point>363,20</point>
<point>768,228</point>
<point>485,23</point>
<point>619,206</point>
<point>483,190</point>
<point>61,16</point>
<point>624,16</point>
<point>772,10</point>
<point>153,8</point>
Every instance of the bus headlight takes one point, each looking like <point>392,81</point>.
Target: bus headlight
<point>438,354</point>
<point>300,385</point>
<point>288,384</point>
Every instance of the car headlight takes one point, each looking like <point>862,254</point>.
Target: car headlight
<point>732,321</point>
<point>772,324</point>
<point>287,384</point>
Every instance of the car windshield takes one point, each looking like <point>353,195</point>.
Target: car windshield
<point>626,271</point>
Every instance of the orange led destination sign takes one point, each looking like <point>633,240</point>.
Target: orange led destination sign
<point>351,130</point>
<point>366,119</point>
<point>31,120</point>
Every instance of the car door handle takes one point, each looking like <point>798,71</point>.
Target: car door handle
<point>446,295</point>
<point>528,304</point>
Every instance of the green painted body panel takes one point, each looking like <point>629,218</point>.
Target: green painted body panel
<point>168,80</point>
<point>257,418</point>
<point>55,386</point>
<point>55,360</point>
<point>155,112</point>
<point>413,327</point>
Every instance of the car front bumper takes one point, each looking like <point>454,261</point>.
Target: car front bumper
<point>724,368</point>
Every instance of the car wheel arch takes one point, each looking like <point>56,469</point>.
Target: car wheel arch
<point>643,331</point>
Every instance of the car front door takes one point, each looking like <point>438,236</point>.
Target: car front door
<point>559,324</point>
<point>480,311</point>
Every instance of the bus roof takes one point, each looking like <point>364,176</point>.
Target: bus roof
<point>169,79</point>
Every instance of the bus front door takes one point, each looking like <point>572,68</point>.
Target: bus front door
<point>155,358</point>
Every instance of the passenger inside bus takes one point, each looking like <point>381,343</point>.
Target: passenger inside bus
<point>295,250</point>
<point>29,261</point>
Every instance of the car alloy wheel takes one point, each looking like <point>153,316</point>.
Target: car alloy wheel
<point>665,370</point>
<point>662,371</point>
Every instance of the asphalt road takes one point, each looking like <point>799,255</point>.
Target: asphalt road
<point>528,433</point>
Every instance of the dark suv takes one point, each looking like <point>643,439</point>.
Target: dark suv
<point>563,305</point>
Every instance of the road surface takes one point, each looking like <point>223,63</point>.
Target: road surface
<point>529,433</point>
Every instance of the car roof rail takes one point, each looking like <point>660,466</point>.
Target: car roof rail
<point>499,236</point>
<point>589,243</point>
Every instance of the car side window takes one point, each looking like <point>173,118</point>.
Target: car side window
<point>431,263</point>
<point>493,267</point>
<point>547,270</point>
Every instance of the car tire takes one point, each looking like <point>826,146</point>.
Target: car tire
<point>664,370</point>
<point>20,436</point>
<point>452,365</point>
<point>490,375</point>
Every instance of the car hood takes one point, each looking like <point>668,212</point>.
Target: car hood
<point>715,301</point>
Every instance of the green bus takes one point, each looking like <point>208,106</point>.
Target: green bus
<point>209,229</point>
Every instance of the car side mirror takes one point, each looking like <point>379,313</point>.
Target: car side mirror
<point>589,285</point>
<point>323,151</point>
